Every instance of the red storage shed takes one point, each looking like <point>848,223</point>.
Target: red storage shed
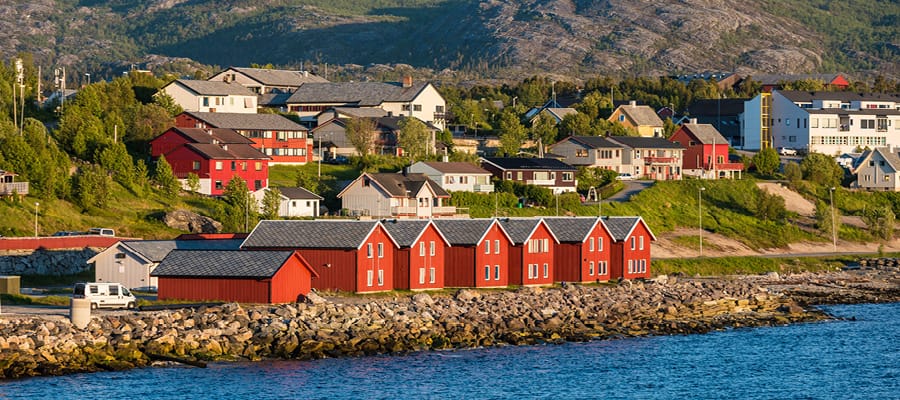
<point>479,253</point>
<point>234,275</point>
<point>584,249</point>
<point>419,264</point>
<point>348,255</point>
<point>531,254</point>
<point>630,256</point>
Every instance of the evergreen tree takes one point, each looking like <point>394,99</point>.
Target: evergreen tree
<point>880,220</point>
<point>91,187</point>
<point>271,203</point>
<point>193,182</point>
<point>766,161</point>
<point>240,208</point>
<point>512,133</point>
<point>165,179</point>
<point>414,138</point>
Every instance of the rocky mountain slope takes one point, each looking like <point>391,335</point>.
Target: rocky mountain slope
<point>492,37</point>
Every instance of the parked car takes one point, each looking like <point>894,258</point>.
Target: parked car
<point>337,160</point>
<point>625,177</point>
<point>787,151</point>
<point>102,232</point>
<point>68,233</point>
<point>105,294</point>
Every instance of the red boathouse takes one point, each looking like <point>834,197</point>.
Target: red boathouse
<point>584,249</point>
<point>630,258</point>
<point>419,263</point>
<point>478,255</point>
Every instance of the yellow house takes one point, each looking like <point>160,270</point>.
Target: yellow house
<point>640,118</point>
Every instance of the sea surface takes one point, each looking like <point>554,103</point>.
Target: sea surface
<point>857,357</point>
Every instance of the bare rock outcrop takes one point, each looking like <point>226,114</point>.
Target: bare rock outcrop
<point>188,221</point>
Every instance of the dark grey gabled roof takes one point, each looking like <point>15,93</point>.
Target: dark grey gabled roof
<point>240,121</point>
<point>594,142</point>
<point>465,232</point>
<point>211,135</point>
<point>521,229</point>
<point>401,185</point>
<point>279,77</point>
<point>572,229</point>
<point>222,263</point>
<point>705,133</point>
<point>156,250</point>
<point>233,151</point>
<point>298,193</point>
<point>215,88</point>
<point>636,142</point>
<point>299,234</point>
<point>802,96</point>
<point>407,231</point>
<point>620,227</point>
<point>544,164</point>
<point>361,94</point>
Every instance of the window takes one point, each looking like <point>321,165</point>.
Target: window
<point>257,184</point>
<point>438,109</point>
<point>530,271</point>
<point>431,248</point>
<point>369,250</point>
<point>206,102</point>
<point>120,255</point>
<point>621,117</point>
<point>417,107</point>
<point>487,272</point>
<point>196,165</point>
<point>431,275</point>
<point>599,244</point>
<point>422,275</point>
<point>568,177</point>
<point>642,243</point>
<point>632,242</point>
<point>218,185</point>
<point>546,271</point>
<point>581,153</point>
<point>601,268</point>
<point>867,124</point>
<point>234,165</point>
<point>369,277</point>
<point>591,268</point>
<point>496,247</point>
<point>404,107</point>
<point>591,244</point>
<point>243,165</point>
<point>218,165</point>
<point>380,250</point>
<point>113,290</point>
<point>630,266</point>
<point>487,247</point>
<point>259,166</point>
<point>421,248</point>
<point>380,277</point>
<point>496,272</point>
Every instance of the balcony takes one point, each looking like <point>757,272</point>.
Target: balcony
<point>729,166</point>
<point>422,211</point>
<point>661,160</point>
<point>17,188</point>
<point>541,182</point>
<point>483,188</point>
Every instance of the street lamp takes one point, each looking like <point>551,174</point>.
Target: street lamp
<point>557,204</point>
<point>88,78</point>
<point>36,204</point>
<point>833,221</point>
<point>700,216</point>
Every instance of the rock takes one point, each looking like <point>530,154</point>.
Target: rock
<point>772,275</point>
<point>314,298</point>
<point>188,221</point>
<point>423,299</point>
<point>467,294</point>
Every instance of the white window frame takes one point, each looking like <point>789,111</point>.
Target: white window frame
<point>591,268</point>
<point>422,275</point>
<point>546,271</point>
<point>487,272</point>
<point>497,272</point>
<point>591,244</point>
<point>496,246</point>
<point>370,277</point>
<point>422,249</point>
<point>431,275</point>
<point>369,251</point>
<point>380,277</point>
<point>380,250</point>
<point>487,246</point>
<point>431,250</point>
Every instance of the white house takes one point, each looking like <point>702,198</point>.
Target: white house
<point>206,96</point>
<point>878,169</point>
<point>395,195</point>
<point>263,80</point>
<point>298,202</point>
<point>455,176</point>
<point>130,262</point>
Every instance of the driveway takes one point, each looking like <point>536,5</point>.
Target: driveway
<point>631,188</point>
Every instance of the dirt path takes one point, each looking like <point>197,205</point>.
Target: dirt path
<point>793,201</point>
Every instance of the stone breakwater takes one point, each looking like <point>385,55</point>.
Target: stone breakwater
<point>46,262</point>
<point>358,326</point>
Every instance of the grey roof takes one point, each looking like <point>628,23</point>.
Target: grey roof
<point>299,234</point>
<point>642,115</point>
<point>713,107</point>
<point>240,121</point>
<point>234,151</point>
<point>357,93</point>
<point>800,96</point>
<point>549,164</point>
<point>705,133</point>
<point>212,135</point>
<point>519,229</point>
<point>893,159</point>
<point>619,227</point>
<point>405,185</point>
<point>405,231</point>
<point>156,250</point>
<point>215,88</point>
<point>571,229</point>
<point>222,263</point>
<point>273,99</point>
<point>636,142</point>
<point>279,77</point>
<point>774,79</point>
<point>456,167</point>
<point>467,232</point>
<point>559,112</point>
<point>593,142</point>
<point>298,193</point>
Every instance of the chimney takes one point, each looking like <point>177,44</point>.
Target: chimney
<point>305,73</point>
<point>692,121</point>
<point>445,158</point>
<point>224,147</point>
<point>390,113</point>
<point>407,81</point>
<point>632,103</point>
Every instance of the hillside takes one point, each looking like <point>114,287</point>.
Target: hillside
<point>499,38</point>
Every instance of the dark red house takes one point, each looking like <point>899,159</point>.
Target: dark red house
<point>286,141</point>
<point>630,258</point>
<point>419,263</point>
<point>545,172</point>
<point>233,275</point>
<point>531,261</point>
<point>478,255</point>
<point>347,255</point>
<point>584,249</point>
<point>705,152</point>
<point>214,155</point>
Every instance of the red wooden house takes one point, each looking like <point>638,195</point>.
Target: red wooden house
<point>233,275</point>
<point>705,152</point>
<point>584,249</point>
<point>286,141</point>
<point>630,258</point>
<point>216,164</point>
<point>479,253</point>
<point>531,260</point>
<point>419,263</point>
<point>347,255</point>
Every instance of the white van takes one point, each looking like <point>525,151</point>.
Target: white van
<point>103,294</point>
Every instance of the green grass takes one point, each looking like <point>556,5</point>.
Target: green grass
<point>751,265</point>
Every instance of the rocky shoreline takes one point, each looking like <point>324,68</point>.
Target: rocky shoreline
<point>337,327</point>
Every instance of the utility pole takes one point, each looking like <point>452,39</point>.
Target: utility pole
<point>700,216</point>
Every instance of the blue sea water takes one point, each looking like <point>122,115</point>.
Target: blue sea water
<point>841,359</point>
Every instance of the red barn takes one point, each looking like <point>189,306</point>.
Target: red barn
<point>531,254</point>
<point>286,141</point>
<point>479,253</point>
<point>233,275</point>
<point>584,249</point>
<point>419,263</point>
<point>630,256</point>
<point>353,256</point>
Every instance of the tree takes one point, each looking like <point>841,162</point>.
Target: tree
<point>361,134</point>
<point>239,214</point>
<point>543,130</point>
<point>880,220</point>
<point>770,207</point>
<point>167,103</point>
<point>193,182</point>
<point>821,169</point>
<point>589,177</point>
<point>512,133</point>
<point>793,172</point>
<point>91,185</point>
<point>578,125</point>
<point>271,202</point>
<point>766,161</point>
<point>165,179</point>
<point>825,219</point>
<point>414,138</point>
<point>115,158</point>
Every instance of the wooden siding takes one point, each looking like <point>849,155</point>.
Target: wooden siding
<point>130,271</point>
<point>383,265</point>
<point>214,289</point>
<point>336,268</point>
<point>460,266</point>
<point>494,260</point>
<point>541,259</point>
<point>402,278</point>
<point>416,262</point>
<point>622,254</point>
<point>568,263</point>
<point>291,282</point>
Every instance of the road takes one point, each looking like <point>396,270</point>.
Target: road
<point>631,188</point>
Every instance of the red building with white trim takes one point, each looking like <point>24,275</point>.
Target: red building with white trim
<point>584,250</point>
<point>478,255</point>
<point>348,255</point>
<point>531,261</point>
<point>419,263</point>
<point>630,258</point>
<point>705,152</point>
<point>286,141</point>
<point>216,164</point>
